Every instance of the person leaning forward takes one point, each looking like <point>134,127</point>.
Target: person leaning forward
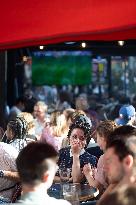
<point>37,165</point>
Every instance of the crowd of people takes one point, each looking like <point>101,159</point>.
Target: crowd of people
<point>38,143</point>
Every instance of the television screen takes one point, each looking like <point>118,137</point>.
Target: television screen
<point>61,67</point>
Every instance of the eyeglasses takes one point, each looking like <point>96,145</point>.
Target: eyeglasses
<point>75,137</point>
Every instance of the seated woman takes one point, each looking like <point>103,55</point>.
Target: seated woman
<point>16,133</point>
<point>75,156</point>
<point>8,155</point>
<point>55,131</point>
<point>28,117</point>
<point>96,178</point>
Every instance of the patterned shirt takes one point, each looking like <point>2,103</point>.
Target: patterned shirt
<point>8,155</point>
<point>19,144</point>
<point>66,159</point>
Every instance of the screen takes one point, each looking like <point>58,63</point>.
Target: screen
<point>61,67</point>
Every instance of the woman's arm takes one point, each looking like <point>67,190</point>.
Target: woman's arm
<point>89,174</point>
<point>77,174</point>
<point>11,175</point>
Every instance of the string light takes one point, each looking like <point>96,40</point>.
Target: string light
<point>41,47</point>
<point>121,43</point>
<point>83,44</point>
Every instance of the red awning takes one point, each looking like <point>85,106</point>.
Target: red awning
<point>35,22</point>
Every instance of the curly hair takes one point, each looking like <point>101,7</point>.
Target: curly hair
<point>82,122</point>
<point>105,128</point>
<point>19,127</point>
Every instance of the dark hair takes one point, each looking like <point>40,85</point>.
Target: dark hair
<point>33,161</point>
<point>84,123</point>
<point>105,128</point>
<point>124,147</point>
<point>19,126</point>
<point>122,132</point>
<point>20,100</point>
<point>125,195</point>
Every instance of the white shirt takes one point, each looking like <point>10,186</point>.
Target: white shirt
<point>39,198</point>
<point>39,127</point>
<point>19,144</point>
<point>8,155</point>
<point>81,152</point>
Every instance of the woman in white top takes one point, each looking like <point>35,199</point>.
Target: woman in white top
<point>16,133</point>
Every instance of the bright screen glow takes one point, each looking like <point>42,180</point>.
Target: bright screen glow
<point>61,67</point>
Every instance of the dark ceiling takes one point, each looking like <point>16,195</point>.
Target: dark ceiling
<point>97,47</point>
<point>103,48</point>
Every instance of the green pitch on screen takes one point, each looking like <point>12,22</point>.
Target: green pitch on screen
<point>62,70</point>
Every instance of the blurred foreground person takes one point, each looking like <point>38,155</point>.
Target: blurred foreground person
<point>8,155</point>
<point>120,159</point>
<point>37,165</point>
<point>123,196</point>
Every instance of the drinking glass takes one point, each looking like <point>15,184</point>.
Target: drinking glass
<point>70,193</point>
<point>64,175</point>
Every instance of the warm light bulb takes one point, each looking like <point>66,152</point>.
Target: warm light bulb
<point>83,44</point>
<point>41,47</point>
<point>121,43</point>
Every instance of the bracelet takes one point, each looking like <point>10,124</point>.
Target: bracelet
<point>1,174</point>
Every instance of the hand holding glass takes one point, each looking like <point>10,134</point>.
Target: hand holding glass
<point>64,174</point>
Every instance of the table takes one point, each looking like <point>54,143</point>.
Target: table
<point>86,192</point>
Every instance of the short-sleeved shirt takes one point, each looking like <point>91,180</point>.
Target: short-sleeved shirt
<point>8,155</point>
<point>100,174</point>
<point>66,160</point>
